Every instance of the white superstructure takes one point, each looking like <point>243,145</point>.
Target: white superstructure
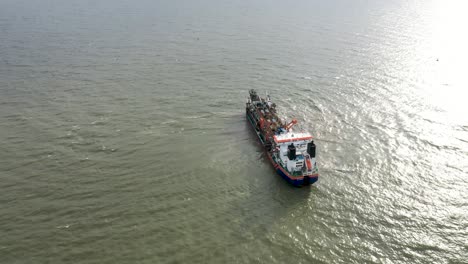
<point>301,161</point>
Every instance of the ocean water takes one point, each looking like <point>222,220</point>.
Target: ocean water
<point>124,140</point>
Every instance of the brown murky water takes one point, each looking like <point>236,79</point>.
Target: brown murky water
<point>123,135</point>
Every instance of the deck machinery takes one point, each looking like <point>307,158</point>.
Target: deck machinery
<point>291,153</point>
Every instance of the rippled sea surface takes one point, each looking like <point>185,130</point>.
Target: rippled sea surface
<point>124,140</point>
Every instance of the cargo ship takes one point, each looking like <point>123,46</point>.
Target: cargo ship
<point>291,153</point>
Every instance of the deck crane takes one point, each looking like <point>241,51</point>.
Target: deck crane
<point>290,125</point>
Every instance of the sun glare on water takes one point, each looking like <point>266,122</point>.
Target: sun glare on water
<point>447,88</point>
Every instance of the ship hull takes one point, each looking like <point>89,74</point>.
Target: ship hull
<point>295,181</point>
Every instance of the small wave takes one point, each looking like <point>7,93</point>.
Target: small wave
<point>463,128</point>
<point>439,147</point>
<point>339,77</point>
<point>454,167</point>
<point>170,121</point>
<point>98,122</point>
<point>199,116</point>
<point>425,247</point>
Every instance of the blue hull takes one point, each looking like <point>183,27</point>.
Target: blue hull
<point>297,183</point>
